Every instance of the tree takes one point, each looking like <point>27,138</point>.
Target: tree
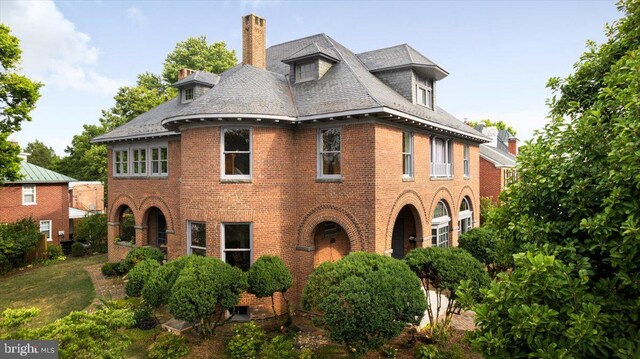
<point>18,96</point>
<point>139,275</point>
<point>41,155</point>
<point>16,240</point>
<point>500,125</point>
<point>156,290</point>
<point>267,276</point>
<point>194,53</point>
<point>578,194</point>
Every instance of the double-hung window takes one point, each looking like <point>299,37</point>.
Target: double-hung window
<point>236,153</point>
<point>329,153</point>
<point>197,238</point>
<point>237,244</point>
<point>28,194</point>
<point>159,161</point>
<point>139,161</point>
<point>407,154</point>
<point>441,154</point>
<point>440,226</point>
<point>45,228</point>
<point>187,95</point>
<point>306,72</point>
<point>121,162</point>
<point>467,170</point>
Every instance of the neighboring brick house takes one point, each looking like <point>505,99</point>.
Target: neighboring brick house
<point>306,151</point>
<point>497,161</point>
<point>85,198</point>
<point>41,194</point>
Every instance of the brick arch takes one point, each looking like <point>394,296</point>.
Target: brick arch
<point>406,198</point>
<point>122,200</point>
<point>467,191</point>
<point>330,213</point>
<point>442,193</point>
<point>153,201</point>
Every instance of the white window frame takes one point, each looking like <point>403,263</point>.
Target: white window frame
<point>466,162</point>
<point>184,94</point>
<point>25,186</point>
<point>406,154</point>
<point>465,218</point>
<point>442,226</point>
<point>50,236</point>
<point>320,152</point>
<point>223,152</point>
<point>429,98</point>
<point>223,250</point>
<point>299,72</point>
<point>131,157</point>
<point>158,147</point>
<point>115,163</point>
<point>189,245</point>
<point>444,169</point>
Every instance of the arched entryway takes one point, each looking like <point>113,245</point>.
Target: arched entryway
<point>406,231</point>
<point>331,243</point>
<point>441,225</point>
<point>127,221</point>
<point>156,224</point>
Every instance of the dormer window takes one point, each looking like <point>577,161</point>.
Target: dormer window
<point>306,71</point>
<point>424,96</point>
<point>187,95</point>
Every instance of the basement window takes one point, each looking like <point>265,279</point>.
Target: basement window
<point>240,313</point>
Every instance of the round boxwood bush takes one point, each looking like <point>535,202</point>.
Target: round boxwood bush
<point>485,245</point>
<point>366,299</point>
<point>267,276</point>
<point>111,269</point>
<point>204,287</point>
<point>158,287</point>
<point>139,275</point>
<point>139,254</point>
<point>77,249</point>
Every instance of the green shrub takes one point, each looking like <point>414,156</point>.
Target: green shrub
<point>93,229</point>
<point>267,276</point>
<point>112,269</point>
<point>14,318</point>
<point>443,270</point>
<point>77,249</point>
<point>280,347</point>
<point>139,275</point>
<point>367,300</point>
<point>485,245</point>
<point>435,352</point>
<point>206,286</point>
<point>142,315</point>
<point>168,346</point>
<point>54,251</point>
<point>246,342</point>
<point>158,288</point>
<point>139,254</point>
<point>16,240</point>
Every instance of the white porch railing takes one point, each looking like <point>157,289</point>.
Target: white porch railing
<point>441,170</point>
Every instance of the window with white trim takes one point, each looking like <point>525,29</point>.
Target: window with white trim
<point>237,244</point>
<point>159,160</point>
<point>465,221</point>
<point>306,72</point>
<point>467,170</point>
<point>236,153</point>
<point>441,154</point>
<point>329,153</point>
<point>407,154</point>
<point>187,95</point>
<point>196,238</point>
<point>121,162</point>
<point>440,226</point>
<point>45,228</point>
<point>430,98</point>
<point>28,194</point>
<point>139,161</point>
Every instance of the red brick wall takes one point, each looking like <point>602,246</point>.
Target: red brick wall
<point>52,203</point>
<point>490,180</point>
<point>87,197</point>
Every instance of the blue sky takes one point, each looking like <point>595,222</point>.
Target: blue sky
<point>499,54</point>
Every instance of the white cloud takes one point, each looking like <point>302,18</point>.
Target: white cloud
<point>136,15</point>
<point>53,50</point>
<point>524,122</point>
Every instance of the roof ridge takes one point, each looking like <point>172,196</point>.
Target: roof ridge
<point>383,48</point>
<point>406,48</point>
<point>294,40</point>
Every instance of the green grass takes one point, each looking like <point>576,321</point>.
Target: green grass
<point>140,341</point>
<point>56,290</point>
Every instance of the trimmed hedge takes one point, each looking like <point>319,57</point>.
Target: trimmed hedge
<point>158,287</point>
<point>140,254</point>
<point>139,275</point>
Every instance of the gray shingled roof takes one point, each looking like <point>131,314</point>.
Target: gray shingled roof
<point>35,174</point>
<point>396,57</point>
<point>497,157</point>
<point>202,77</point>
<point>311,51</point>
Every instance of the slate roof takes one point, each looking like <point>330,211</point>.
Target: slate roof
<point>396,57</point>
<point>35,174</point>
<point>312,51</point>
<point>348,86</point>
<point>202,77</point>
<point>497,157</point>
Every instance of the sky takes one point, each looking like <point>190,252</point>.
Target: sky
<point>499,54</point>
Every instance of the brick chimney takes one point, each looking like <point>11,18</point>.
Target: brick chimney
<point>182,73</point>
<point>254,33</point>
<point>513,146</point>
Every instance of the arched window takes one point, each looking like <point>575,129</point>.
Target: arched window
<point>465,221</point>
<point>440,226</point>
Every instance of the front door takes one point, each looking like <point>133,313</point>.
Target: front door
<point>397,239</point>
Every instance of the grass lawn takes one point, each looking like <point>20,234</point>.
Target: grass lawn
<point>56,289</point>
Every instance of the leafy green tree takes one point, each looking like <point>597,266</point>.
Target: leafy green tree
<point>18,96</point>
<point>579,188</point>
<point>267,276</point>
<point>41,155</point>
<point>196,54</point>
<point>93,229</point>
<point>16,240</point>
<point>500,125</point>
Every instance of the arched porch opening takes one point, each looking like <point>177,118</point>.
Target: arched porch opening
<point>407,230</point>
<point>331,243</point>
<point>156,225</point>
<point>127,222</point>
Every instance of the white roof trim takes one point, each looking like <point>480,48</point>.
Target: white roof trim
<point>226,116</point>
<point>498,153</point>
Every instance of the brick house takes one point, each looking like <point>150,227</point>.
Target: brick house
<point>497,161</point>
<point>305,150</point>
<point>41,194</point>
